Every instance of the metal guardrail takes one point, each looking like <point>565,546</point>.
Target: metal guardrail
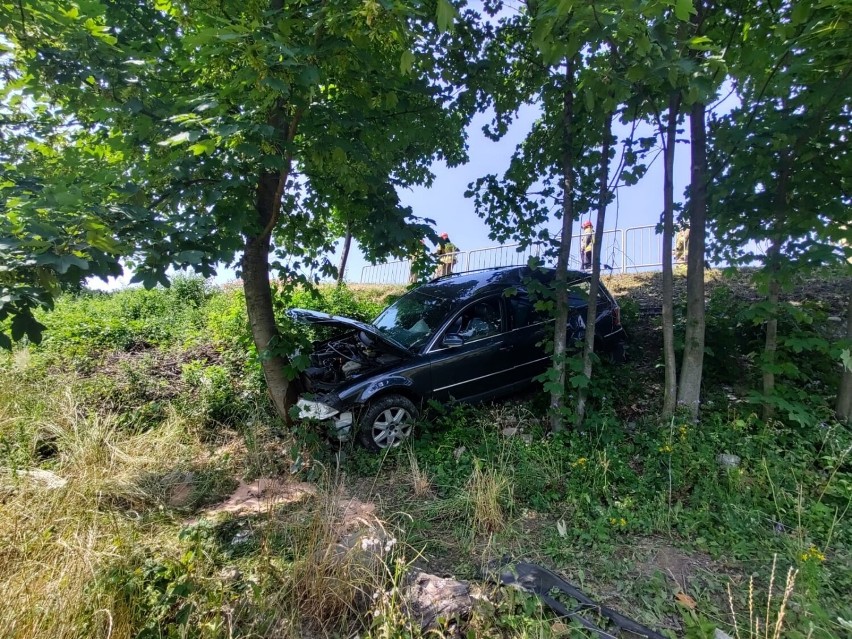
<point>634,249</point>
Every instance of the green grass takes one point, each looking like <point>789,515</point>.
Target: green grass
<point>139,395</point>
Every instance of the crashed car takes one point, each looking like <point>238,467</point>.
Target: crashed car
<point>469,337</point>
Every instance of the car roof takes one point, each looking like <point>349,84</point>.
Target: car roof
<point>467,285</point>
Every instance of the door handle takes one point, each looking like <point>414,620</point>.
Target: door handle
<point>506,349</point>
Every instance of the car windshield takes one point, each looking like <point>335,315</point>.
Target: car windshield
<point>413,319</point>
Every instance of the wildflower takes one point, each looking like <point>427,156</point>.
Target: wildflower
<point>683,430</point>
<point>581,462</point>
<point>665,449</point>
<point>813,553</point>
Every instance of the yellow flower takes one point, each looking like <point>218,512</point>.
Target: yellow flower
<point>813,553</point>
<point>683,431</point>
<point>581,462</point>
<point>622,522</point>
<point>665,449</point>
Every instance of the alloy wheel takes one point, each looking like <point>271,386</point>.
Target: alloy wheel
<point>391,426</point>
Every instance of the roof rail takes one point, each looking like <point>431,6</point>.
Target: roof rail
<point>476,270</point>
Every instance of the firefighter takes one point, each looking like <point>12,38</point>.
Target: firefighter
<point>682,245</point>
<point>587,244</point>
<point>446,253</point>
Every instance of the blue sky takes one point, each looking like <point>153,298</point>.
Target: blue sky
<point>445,203</point>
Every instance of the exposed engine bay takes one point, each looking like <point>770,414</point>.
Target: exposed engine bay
<point>342,358</point>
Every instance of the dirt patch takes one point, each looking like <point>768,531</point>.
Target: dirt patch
<point>260,495</point>
<point>654,555</point>
<point>263,494</point>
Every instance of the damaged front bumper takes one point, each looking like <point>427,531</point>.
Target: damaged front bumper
<point>339,423</point>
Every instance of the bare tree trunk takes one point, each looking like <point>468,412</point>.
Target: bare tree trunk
<point>773,256</point>
<point>344,256</point>
<point>692,366</point>
<point>670,385</point>
<point>771,344</point>
<point>255,273</point>
<point>560,337</point>
<point>844,394</point>
<point>592,311</point>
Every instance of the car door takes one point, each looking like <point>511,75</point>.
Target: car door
<point>473,369</point>
<point>523,345</point>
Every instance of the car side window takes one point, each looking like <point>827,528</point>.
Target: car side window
<point>578,294</point>
<point>479,320</point>
<point>523,312</point>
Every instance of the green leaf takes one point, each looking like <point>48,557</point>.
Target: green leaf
<point>179,138</point>
<point>801,12</point>
<point>277,84</point>
<point>309,76</point>
<point>446,13</point>
<point>205,146</point>
<point>579,381</point>
<point>190,257</point>
<point>406,61</point>
<point>846,358</point>
<point>683,9</point>
<point>67,261</point>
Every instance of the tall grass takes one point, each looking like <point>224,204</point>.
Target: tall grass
<point>105,556</point>
<point>55,541</point>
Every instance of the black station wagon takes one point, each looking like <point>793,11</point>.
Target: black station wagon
<point>469,337</point>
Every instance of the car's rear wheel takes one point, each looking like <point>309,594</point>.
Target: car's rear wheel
<point>387,422</point>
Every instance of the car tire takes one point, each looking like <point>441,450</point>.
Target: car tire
<point>387,422</point>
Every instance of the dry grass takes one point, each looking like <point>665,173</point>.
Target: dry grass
<point>767,623</point>
<point>421,483</point>
<point>490,495</point>
<point>73,558</point>
<point>484,506</point>
<point>55,541</point>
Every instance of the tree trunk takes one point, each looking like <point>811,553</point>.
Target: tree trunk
<point>592,312</point>
<point>344,256</point>
<point>774,266</point>
<point>771,344</point>
<point>692,366</point>
<point>560,337</point>
<point>255,273</point>
<point>844,394</point>
<point>670,386</point>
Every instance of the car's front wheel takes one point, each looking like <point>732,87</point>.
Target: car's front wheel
<point>387,422</point>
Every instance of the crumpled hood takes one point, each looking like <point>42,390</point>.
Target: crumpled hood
<point>305,316</point>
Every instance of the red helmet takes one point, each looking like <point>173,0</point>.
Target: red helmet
<point>587,223</point>
<point>444,236</point>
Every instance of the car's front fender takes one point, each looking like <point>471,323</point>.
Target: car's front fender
<point>385,385</point>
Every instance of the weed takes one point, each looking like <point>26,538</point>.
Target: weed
<point>420,482</point>
<point>772,618</point>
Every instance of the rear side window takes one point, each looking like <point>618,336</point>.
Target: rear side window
<point>523,312</point>
<point>578,295</point>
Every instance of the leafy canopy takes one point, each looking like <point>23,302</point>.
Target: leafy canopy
<point>135,134</point>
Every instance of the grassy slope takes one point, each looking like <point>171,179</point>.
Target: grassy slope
<point>149,405</point>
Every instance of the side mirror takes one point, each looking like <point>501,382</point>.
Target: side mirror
<point>452,340</point>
